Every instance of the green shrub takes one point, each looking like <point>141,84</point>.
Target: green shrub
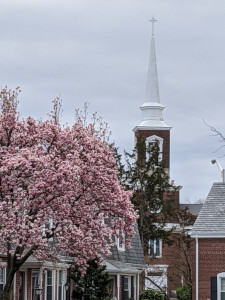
<point>151,295</point>
<point>184,292</point>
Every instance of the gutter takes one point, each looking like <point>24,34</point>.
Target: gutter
<point>208,234</point>
<point>196,267</point>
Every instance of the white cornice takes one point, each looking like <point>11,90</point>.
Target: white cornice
<point>152,127</point>
<point>213,235</point>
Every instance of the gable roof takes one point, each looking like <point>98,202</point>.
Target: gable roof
<point>211,219</point>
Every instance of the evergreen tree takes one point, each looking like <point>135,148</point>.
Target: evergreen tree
<point>146,175</point>
<point>93,284</point>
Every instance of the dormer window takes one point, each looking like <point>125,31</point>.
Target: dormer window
<point>152,140</point>
<point>120,241</point>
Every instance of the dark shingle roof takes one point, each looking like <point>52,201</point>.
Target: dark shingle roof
<point>134,255</point>
<point>211,218</point>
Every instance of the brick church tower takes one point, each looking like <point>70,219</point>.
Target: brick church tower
<point>152,126</point>
<point>163,263</point>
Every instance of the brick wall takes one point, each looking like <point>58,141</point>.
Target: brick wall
<point>171,256</point>
<point>165,134</point>
<point>211,262</point>
<point>174,196</point>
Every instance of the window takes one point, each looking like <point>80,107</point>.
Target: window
<point>60,290</point>
<point>222,288</point>
<point>151,140</point>
<point>120,241</point>
<point>126,284</point>
<point>47,228</point>
<point>2,278</point>
<point>218,285</point>
<point>155,247</point>
<point>126,287</point>
<point>49,285</point>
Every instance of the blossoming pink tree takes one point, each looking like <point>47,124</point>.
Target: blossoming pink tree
<point>63,176</point>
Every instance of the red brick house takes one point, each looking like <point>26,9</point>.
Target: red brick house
<point>208,235</point>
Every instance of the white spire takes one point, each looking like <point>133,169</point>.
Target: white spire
<point>152,109</point>
<point>152,85</point>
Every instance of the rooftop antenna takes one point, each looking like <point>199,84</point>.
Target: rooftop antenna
<point>222,171</point>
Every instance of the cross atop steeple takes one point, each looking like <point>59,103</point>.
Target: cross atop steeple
<point>153,20</point>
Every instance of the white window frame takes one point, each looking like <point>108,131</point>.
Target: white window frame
<point>129,285</point>
<point>53,283</point>
<point>154,250</point>
<point>152,139</point>
<point>51,223</point>
<point>118,243</point>
<point>3,276</point>
<point>220,276</point>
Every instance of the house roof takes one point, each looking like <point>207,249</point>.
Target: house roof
<point>134,255</point>
<point>194,209</point>
<point>211,219</point>
<point>119,267</point>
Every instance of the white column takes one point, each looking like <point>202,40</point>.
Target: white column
<point>135,287</point>
<point>138,284</point>
<point>118,286</point>
<point>26,274</point>
<point>14,286</point>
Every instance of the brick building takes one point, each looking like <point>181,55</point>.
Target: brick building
<point>208,248</point>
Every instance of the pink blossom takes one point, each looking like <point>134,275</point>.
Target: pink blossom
<point>67,175</point>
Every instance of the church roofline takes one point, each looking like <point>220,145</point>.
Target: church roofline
<point>161,126</point>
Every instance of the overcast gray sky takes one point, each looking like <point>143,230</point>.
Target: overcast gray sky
<point>97,51</point>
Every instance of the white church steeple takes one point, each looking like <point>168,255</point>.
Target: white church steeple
<point>152,85</point>
<point>152,109</point>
